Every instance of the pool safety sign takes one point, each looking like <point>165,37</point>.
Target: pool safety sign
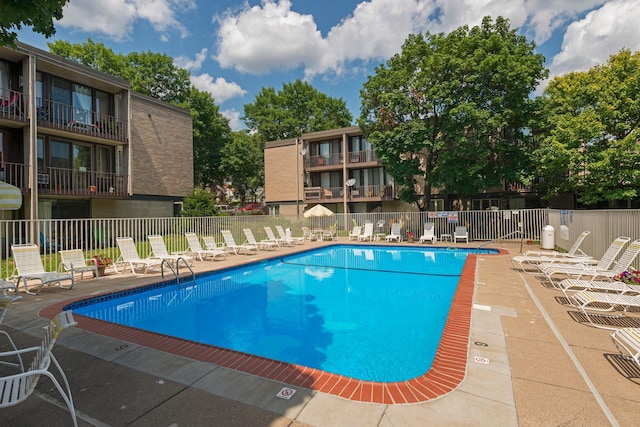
<point>285,393</point>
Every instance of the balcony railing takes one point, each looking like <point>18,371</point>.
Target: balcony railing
<point>61,116</point>
<point>358,194</point>
<point>338,158</point>
<point>67,182</point>
<point>12,105</point>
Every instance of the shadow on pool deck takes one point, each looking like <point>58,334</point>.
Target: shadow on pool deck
<point>526,355</point>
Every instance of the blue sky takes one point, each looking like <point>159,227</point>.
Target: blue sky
<point>233,48</point>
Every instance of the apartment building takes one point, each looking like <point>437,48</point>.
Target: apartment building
<point>338,168</point>
<point>80,143</point>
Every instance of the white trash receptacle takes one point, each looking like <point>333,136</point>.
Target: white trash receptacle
<point>287,233</point>
<point>547,241</point>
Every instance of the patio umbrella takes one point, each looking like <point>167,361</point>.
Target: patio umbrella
<point>316,211</point>
<point>10,197</point>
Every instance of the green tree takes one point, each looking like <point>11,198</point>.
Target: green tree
<point>198,203</point>
<point>590,130</point>
<point>211,132</point>
<point>242,163</point>
<point>149,73</point>
<point>298,108</point>
<point>450,110</point>
<point>37,14</point>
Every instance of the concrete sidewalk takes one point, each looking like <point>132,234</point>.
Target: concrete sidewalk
<point>530,363</point>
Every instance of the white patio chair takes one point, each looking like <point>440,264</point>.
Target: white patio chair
<point>29,267</point>
<point>266,245</point>
<point>367,234</point>
<point>230,242</point>
<point>16,388</point>
<point>195,248</point>
<point>129,256</point>
<point>355,232</point>
<point>395,233</point>
<point>73,261</point>
<point>460,233</point>
<point>429,233</point>
<point>159,251</point>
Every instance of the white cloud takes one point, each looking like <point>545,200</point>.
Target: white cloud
<point>599,35</point>
<point>234,119</point>
<point>191,64</point>
<point>220,89</point>
<point>115,18</point>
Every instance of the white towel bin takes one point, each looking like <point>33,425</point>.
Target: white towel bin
<point>547,241</point>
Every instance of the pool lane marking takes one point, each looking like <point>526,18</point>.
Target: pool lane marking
<point>571,354</point>
<point>368,269</point>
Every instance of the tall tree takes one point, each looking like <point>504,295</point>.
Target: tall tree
<point>449,110</point>
<point>150,73</point>
<point>211,132</point>
<point>298,108</point>
<point>590,132</point>
<point>242,162</point>
<point>38,14</point>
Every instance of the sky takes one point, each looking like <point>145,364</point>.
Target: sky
<point>233,49</point>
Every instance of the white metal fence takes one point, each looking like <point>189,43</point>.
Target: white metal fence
<point>98,236</point>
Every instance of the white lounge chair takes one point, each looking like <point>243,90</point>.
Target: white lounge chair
<point>600,305</point>
<point>283,236</point>
<point>29,267</point>
<point>368,232</point>
<point>5,302</point>
<point>307,234</point>
<point>265,245</point>
<point>460,233</point>
<point>271,237</point>
<point>603,269</point>
<point>395,233</point>
<point>429,233</point>
<point>129,256</point>
<point>355,232</point>
<point>16,388</point>
<point>576,285</point>
<point>574,255</point>
<point>159,251</point>
<point>627,341</point>
<point>195,248</point>
<point>237,249</point>
<point>73,261</point>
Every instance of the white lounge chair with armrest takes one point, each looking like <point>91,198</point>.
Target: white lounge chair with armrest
<point>627,341</point>
<point>16,388</point>
<point>283,236</point>
<point>602,270</point>
<point>271,237</point>
<point>195,248</point>
<point>576,285</point>
<point>429,233</point>
<point>460,233</point>
<point>594,305</point>
<point>265,245</point>
<point>73,261</point>
<point>5,302</point>
<point>395,233</point>
<point>159,251</point>
<point>29,267</point>
<point>129,256</point>
<point>368,232</point>
<point>574,255</point>
<point>355,232</point>
<point>237,249</point>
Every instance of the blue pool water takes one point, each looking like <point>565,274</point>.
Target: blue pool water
<point>367,312</point>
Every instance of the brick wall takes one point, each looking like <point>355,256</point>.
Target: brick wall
<point>280,180</point>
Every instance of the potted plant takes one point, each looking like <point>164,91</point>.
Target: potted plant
<point>631,277</point>
<point>101,262</point>
<point>410,236</point>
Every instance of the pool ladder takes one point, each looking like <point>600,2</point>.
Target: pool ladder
<point>176,271</point>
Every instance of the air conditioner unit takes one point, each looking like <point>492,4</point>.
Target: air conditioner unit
<point>43,178</point>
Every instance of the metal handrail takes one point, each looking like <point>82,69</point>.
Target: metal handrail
<point>502,237</point>
<point>176,272</point>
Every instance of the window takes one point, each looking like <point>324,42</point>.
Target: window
<point>5,81</point>
<point>60,154</point>
<point>484,204</point>
<point>81,101</point>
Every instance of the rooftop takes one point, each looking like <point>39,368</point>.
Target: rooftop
<point>531,361</point>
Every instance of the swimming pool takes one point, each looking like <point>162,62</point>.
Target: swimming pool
<point>451,357</point>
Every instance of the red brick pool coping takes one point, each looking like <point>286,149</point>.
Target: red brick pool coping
<point>446,373</point>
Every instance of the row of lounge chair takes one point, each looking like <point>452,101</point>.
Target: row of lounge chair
<point>429,235</point>
<point>588,284</point>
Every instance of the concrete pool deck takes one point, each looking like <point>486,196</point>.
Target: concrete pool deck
<point>530,362</point>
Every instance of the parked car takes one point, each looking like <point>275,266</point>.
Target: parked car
<point>253,208</point>
<point>226,210</point>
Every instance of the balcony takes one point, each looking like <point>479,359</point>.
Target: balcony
<point>12,106</point>
<point>67,182</point>
<point>365,193</point>
<point>55,115</point>
<point>360,159</point>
